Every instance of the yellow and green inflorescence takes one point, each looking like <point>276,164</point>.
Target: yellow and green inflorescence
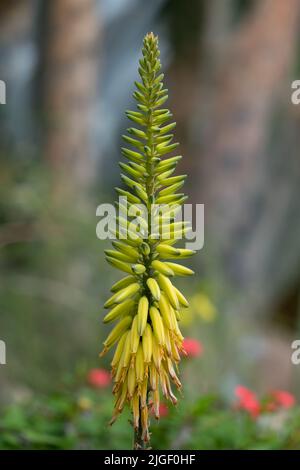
<point>145,304</point>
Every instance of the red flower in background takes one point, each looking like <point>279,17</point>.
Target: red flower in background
<point>99,378</point>
<point>247,401</point>
<point>163,410</point>
<point>192,347</point>
<point>281,399</point>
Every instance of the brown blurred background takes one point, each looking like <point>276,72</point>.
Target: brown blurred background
<point>69,68</point>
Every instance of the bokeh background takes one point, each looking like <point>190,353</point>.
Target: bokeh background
<point>69,68</point>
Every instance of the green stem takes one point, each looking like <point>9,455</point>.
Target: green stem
<point>138,442</point>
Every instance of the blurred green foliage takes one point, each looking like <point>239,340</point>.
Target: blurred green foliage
<point>54,278</point>
<point>77,418</point>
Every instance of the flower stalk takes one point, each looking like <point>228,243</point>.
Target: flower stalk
<point>145,304</point>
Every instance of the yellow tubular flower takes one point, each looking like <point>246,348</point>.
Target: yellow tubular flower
<point>139,365</point>
<point>142,314</point>
<point>145,304</point>
<point>131,379</point>
<point>147,343</point>
<point>134,336</point>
